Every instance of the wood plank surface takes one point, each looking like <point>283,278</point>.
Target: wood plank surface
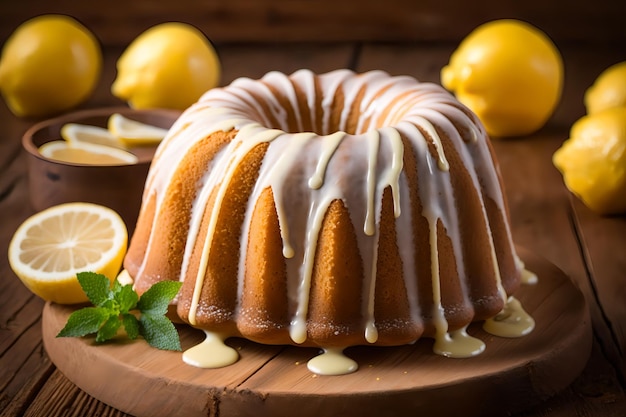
<point>511,375</point>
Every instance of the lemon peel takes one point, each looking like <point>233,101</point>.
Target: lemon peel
<point>509,73</point>
<point>593,161</point>
<point>49,64</point>
<point>608,90</point>
<point>170,65</point>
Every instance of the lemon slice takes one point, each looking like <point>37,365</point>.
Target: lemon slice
<point>80,133</point>
<point>51,247</point>
<point>86,153</point>
<point>134,133</point>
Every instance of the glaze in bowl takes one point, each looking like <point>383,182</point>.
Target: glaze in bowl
<point>119,187</point>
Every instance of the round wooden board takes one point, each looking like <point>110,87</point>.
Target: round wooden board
<point>512,374</point>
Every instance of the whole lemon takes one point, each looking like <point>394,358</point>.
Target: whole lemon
<point>509,73</point>
<point>609,89</point>
<point>168,66</point>
<point>51,63</point>
<point>593,160</point>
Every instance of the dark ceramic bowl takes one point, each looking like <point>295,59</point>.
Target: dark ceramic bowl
<point>119,187</point>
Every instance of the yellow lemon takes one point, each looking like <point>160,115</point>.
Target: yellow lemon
<point>86,153</point>
<point>593,160</point>
<point>168,66</point>
<point>51,63</point>
<point>509,73</point>
<point>609,89</point>
<point>51,247</point>
<point>134,133</point>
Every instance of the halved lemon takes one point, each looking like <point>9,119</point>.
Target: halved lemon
<point>86,153</point>
<point>52,246</point>
<point>80,133</point>
<point>134,133</point>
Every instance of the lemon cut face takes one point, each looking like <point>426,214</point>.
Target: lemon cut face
<point>79,133</point>
<point>86,153</point>
<point>51,247</point>
<point>134,133</point>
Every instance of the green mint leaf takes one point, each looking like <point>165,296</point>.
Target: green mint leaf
<point>131,325</point>
<point>114,306</point>
<point>109,329</point>
<point>156,300</point>
<point>126,298</point>
<point>97,287</point>
<point>84,321</point>
<point>159,332</point>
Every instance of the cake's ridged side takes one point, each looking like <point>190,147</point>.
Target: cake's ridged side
<point>264,310</point>
<point>265,107</point>
<point>354,112</point>
<point>509,271</point>
<point>139,241</point>
<point>498,214</point>
<point>337,277</point>
<point>290,122</point>
<point>482,283</point>
<point>157,248</point>
<point>392,309</point>
<point>306,114</point>
<point>218,296</point>
<point>335,110</point>
<point>458,310</point>
<point>421,243</point>
<point>451,295</point>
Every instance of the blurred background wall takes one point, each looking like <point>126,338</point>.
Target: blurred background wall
<point>116,22</point>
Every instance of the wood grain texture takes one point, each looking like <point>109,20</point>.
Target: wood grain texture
<point>328,20</point>
<point>511,375</point>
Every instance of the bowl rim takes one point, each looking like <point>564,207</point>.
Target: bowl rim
<point>74,117</point>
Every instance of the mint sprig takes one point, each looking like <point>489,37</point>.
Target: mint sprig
<point>120,306</point>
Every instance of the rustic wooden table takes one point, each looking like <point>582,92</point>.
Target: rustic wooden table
<point>546,219</point>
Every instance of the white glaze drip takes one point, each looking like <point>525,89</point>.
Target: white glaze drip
<point>512,321</point>
<point>528,277</point>
<point>211,353</point>
<point>458,344</point>
<point>373,141</point>
<point>329,145</point>
<point>332,362</point>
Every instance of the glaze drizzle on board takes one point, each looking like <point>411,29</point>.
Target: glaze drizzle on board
<point>390,109</point>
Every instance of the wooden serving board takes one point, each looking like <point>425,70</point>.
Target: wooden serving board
<point>512,374</point>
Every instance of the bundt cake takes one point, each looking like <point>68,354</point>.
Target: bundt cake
<point>329,210</point>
